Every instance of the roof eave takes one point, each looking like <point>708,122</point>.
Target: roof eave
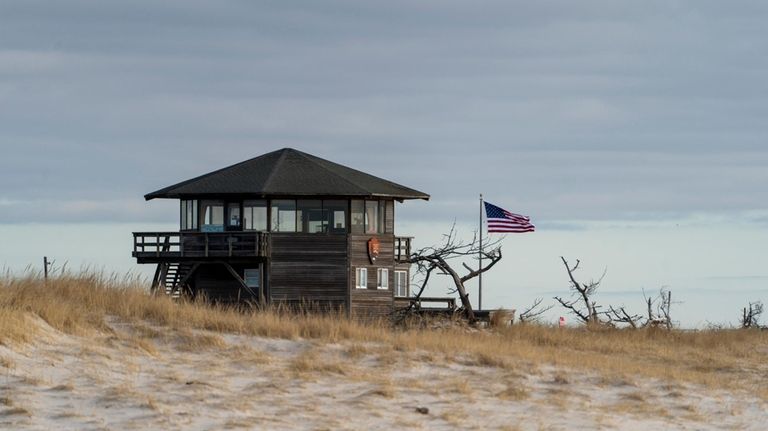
<point>400,197</point>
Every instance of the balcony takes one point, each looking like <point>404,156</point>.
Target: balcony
<point>155,247</point>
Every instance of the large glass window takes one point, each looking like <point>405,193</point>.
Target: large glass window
<point>357,223</point>
<point>213,216</point>
<point>311,217</point>
<point>371,216</point>
<point>283,215</point>
<point>189,215</point>
<point>255,215</point>
<point>336,216</point>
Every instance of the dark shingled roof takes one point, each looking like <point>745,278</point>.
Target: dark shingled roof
<point>288,172</point>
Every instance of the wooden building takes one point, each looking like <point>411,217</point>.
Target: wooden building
<point>284,227</point>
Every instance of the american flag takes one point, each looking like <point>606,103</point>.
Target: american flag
<point>501,220</point>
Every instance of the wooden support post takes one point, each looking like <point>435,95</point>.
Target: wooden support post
<point>155,279</point>
<point>45,267</point>
<point>186,277</point>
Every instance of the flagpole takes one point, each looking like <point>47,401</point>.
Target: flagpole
<point>480,260</point>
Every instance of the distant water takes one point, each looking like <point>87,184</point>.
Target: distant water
<point>712,271</point>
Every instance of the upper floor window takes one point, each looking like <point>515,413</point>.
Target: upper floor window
<point>371,216</point>
<point>189,215</point>
<point>335,216</point>
<point>213,216</point>
<point>255,215</point>
<point>284,215</point>
<point>309,215</point>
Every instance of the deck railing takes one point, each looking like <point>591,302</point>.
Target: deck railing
<point>402,248</point>
<point>158,245</point>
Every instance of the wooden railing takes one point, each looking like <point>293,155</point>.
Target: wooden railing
<point>402,248</point>
<point>164,245</point>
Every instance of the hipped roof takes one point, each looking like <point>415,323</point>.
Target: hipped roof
<point>287,172</point>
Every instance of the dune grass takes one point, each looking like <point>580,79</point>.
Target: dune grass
<point>81,304</point>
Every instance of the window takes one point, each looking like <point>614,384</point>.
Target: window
<point>189,215</point>
<point>233,214</point>
<point>371,216</point>
<point>401,283</point>
<point>361,278</point>
<point>213,216</point>
<point>382,278</point>
<point>311,216</point>
<point>255,215</point>
<point>252,278</point>
<point>336,216</point>
<point>283,216</point>
<point>389,217</point>
<point>357,223</point>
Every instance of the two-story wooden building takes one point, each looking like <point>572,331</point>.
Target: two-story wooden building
<point>284,227</point>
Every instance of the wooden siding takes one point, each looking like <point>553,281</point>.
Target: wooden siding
<point>371,303</point>
<point>309,269</point>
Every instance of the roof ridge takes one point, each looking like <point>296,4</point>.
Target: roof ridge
<point>275,168</point>
<point>312,158</point>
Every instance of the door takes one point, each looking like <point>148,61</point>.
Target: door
<point>234,216</point>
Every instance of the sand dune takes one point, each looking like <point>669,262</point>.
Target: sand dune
<point>137,376</point>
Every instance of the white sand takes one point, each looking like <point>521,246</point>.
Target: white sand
<point>100,382</point>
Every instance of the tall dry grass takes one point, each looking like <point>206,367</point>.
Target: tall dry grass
<point>81,304</point>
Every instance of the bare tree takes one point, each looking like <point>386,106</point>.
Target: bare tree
<point>440,258</point>
<point>581,303</point>
<point>750,316</point>
<point>534,311</point>
<point>658,309</point>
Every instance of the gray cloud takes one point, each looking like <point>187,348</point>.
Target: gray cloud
<point>564,110</point>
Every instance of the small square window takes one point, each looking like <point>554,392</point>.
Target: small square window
<point>361,278</point>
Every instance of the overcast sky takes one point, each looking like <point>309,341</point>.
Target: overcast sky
<point>588,109</point>
<point>602,120</point>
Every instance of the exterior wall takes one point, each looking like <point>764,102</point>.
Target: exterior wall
<point>371,303</point>
<point>309,269</point>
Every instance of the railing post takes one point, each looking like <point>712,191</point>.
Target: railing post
<point>157,244</point>
<point>229,243</point>
<point>181,245</point>
<point>206,244</point>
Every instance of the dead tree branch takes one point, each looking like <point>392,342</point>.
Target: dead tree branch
<point>582,306</point>
<point>441,257</point>
<point>750,316</point>
<point>534,312</point>
<point>658,309</point>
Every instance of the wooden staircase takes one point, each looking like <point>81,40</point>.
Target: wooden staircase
<point>171,278</point>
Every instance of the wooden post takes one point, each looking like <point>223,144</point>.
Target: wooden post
<point>45,267</point>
